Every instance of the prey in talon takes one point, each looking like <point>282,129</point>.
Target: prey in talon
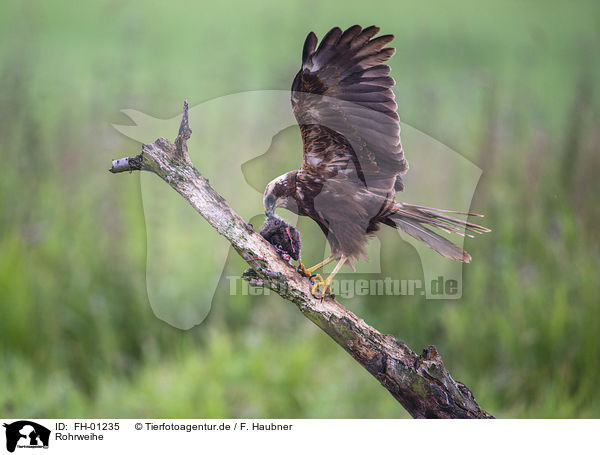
<point>284,237</point>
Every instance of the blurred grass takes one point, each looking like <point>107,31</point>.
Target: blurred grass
<point>513,86</point>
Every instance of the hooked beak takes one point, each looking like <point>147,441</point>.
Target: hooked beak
<point>270,206</point>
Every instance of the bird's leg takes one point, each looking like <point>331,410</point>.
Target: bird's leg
<point>308,272</point>
<point>326,284</point>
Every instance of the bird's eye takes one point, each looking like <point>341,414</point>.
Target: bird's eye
<point>270,201</point>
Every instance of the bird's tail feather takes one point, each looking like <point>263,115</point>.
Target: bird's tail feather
<point>412,219</point>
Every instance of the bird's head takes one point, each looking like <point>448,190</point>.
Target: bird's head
<point>279,193</point>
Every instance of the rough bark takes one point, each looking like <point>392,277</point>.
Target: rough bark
<point>419,382</point>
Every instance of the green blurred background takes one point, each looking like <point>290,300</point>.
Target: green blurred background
<point>512,86</point>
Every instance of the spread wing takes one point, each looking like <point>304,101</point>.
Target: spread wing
<point>343,101</point>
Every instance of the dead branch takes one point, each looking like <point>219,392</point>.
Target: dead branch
<point>419,382</point>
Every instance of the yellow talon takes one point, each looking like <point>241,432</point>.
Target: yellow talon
<point>316,277</point>
<point>308,272</point>
<point>321,282</point>
<point>326,284</point>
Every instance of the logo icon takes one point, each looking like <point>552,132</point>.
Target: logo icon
<point>26,434</point>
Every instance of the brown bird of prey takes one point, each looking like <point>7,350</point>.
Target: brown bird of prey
<point>353,160</point>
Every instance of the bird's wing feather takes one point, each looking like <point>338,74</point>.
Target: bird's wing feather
<point>343,100</point>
